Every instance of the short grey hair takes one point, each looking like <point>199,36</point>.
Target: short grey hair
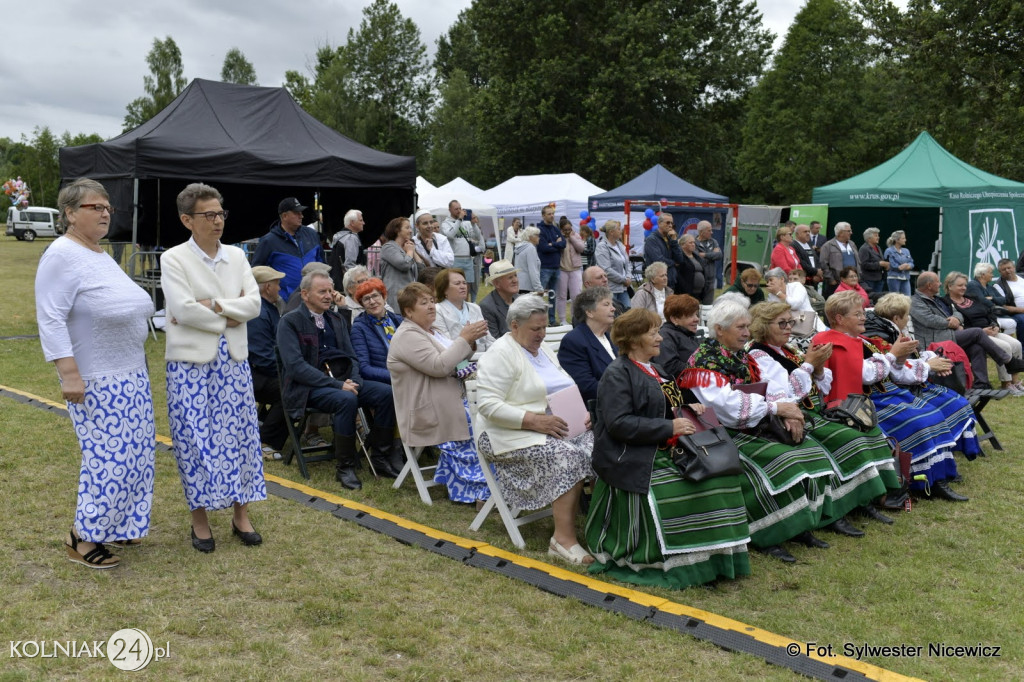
<point>703,225</point>
<point>588,299</point>
<point>724,314</point>
<point>982,269</point>
<point>525,307</point>
<point>843,226</point>
<point>654,269</point>
<point>871,232</point>
<point>891,241</point>
<point>193,193</point>
<point>352,216</point>
<point>687,237</point>
<point>528,232</point>
<point>307,280</point>
<point>775,272</point>
<point>349,280</point>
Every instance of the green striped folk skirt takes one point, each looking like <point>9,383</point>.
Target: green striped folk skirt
<point>677,535</point>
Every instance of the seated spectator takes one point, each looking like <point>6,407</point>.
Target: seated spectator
<point>262,337</point>
<point>647,524</point>
<point>595,276</point>
<point>535,463</point>
<point>429,395</point>
<point>849,280</point>
<point>784,486</point>
<point>749,285</point>
<point>981,314</point>
<point>1010,288</point>
<point>372,331</point>
<point>817,301</point>
<point>679,333</point>
<point>862,462</point>
<point>352,279</point>
<point>504,279</point>
<point>982,289</point>
<point>528,261</point>
<point>321,371</point>
<point>887,324</point>
<point>454,311</point>
<point>858,366</point>
<point>651,294</point>
<point>295,300</point>
<point>936,321</point>
<point>588,349</point>
<point>780,289</point>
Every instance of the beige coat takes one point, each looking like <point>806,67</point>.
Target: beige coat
<point>428,399</point>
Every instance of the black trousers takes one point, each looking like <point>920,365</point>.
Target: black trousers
<point>267,389</point>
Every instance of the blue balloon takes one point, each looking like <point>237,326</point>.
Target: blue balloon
<point>584,214</point>
<point>649,213</point>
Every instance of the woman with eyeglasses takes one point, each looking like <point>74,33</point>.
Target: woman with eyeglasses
<point>92,326</point>
<point>211,293</point>
<point>863,365</point>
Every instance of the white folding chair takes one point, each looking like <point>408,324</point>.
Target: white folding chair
<point>510,517</point>
<point>422,475</point>
<point>554,335</point>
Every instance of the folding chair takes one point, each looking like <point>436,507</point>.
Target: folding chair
<point>422,475</point>
<point>510,517</point>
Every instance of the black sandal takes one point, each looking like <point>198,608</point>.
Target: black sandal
<point>98,557</point>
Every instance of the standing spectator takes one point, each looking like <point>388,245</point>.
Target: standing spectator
<point>836,254</point>
<point>529,262</point>
<point>435,251</point>
<point>399,262</point>
<point>784,255</point>
<point>709,253</point>
<point>512,238</point>
<point>466,241</point>
<point>613,261</point>
<point>900,263</point>
<point>816,238</point>
<point>570,278</point>
<point>261,333</point>
<point>289,245</point>
<point>662,247</point>
<point>211,293</point>
<point>873,265</point>
<point>92,326</point>
<point>504,280</point>
<point>590,244</point>
<point>346,247</point>
<point>691,273</point>
<point>807,254</point>
<point>549,249</point>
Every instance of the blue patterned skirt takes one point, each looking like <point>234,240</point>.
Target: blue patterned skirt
<point>458,468</point>
<point>215,431</point>
<point>959,417</point>
<point>920,429</point>
<point>117,435</point>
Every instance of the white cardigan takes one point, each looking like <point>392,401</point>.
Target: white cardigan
<point>186,279</point>
<point>507,388</point>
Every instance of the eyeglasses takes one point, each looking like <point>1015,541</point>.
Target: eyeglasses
<point>99,208</point>
<point>213,215</point>
<point>373,297</point>
<point>786,324</point>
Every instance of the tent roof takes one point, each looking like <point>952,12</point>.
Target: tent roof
<point>527,194</point>
<point>656,183</point>
<point>923,175</point>
<point>423,185</point>
<point>243,134</point>
<point>459,185</point>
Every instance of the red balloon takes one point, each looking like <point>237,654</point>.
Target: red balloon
<point>648,224</point>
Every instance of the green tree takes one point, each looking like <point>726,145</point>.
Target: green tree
<point>453,133</point>
<point>39,166</point>
<point>807,122</point>
<point>165,82</point>
<point>238,69</point>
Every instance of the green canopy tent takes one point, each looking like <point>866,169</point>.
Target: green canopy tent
<point>954,214</point>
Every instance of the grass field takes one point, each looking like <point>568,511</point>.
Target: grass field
<point>325,599</point>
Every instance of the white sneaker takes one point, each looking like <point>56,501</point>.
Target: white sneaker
<point>270,454</point>
<point>1017,389</point>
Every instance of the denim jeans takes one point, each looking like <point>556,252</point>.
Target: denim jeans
<point>899,286</point>
<point>344,404</point>
<point>549,282</point>
<point>623,298</point>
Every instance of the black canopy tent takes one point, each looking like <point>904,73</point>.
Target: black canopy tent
<point>255,145</point>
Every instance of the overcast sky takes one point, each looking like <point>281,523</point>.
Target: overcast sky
<point>75,66</point>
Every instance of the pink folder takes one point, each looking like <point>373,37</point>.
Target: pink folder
<point>568,404</point>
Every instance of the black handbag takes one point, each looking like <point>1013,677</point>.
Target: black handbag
<point>855,410</point>
<point>773,427</point>
<point>709,452</point>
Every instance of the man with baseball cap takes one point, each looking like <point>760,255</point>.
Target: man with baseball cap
<point>289,245</point>
<point>495,305</point>
<point>262,334</point>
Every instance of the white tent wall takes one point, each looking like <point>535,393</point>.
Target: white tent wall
<point>436,201</point>
<point>525,196</point>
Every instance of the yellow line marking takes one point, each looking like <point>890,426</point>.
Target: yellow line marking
<point>721,622</point>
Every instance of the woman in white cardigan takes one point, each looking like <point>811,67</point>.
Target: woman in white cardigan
<point>211,294</point>
<point>536,464</point>
<point>453,310</point>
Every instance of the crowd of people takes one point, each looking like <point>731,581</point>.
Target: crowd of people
<point>646,374</point>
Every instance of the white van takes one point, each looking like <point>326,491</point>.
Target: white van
<point>31,222</point>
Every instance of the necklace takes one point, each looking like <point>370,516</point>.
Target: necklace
<point>645,370</point>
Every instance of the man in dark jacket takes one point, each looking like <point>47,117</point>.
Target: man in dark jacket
<point>662,247</point>
<point>550,248</point>
<point>262,334</point>
<point>289,245</point>
<point>321,372</point>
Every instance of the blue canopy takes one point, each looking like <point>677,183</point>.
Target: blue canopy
<point>655,184</point>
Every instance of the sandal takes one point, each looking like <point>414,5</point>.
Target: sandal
<point>121,544</point>
<point>97,557</point>
<point>575,555</point>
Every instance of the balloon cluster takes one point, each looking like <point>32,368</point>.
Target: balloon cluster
<point>17,191</point>
<point>585,217</point>
<point>651,217</point>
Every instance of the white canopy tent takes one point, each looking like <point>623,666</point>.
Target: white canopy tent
<point>436,201</point>
<point>526,195</point>
<point>460,185</point>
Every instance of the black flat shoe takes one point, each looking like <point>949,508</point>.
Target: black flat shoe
<point>807,539</point>
<point>348,479</point>
<point>869,511</point>
<point>895,501</point>
<point>249,538</point>
<point>206,545</point>
<point>777,552</point>
<point>844,527</point>
<point>941,489</point>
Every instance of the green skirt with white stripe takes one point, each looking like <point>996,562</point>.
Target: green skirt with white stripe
<point>677,535</point>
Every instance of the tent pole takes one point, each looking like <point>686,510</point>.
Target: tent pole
<point>937,255</point>
<point>135,213</point>
<point>734,249</point>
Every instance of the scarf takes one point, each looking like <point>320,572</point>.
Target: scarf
<point>712,364</point>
